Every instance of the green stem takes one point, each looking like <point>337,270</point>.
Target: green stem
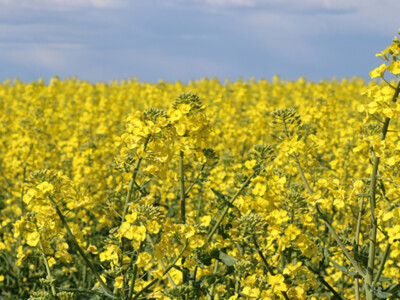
<point>369,292</point>
<point>211,294</point>
<point>79,249</point>
<point>225,211</point>
<point>258,249</point>
<point>46,263</point>
<point>134,272</point>
<point>284,294</point>
<point>303,177</point>
<point>325,283</point>
<point>183,202</point>
<point>182,187</point>
<point>150,240</point>
<point>194,181</point>
<point>382,265</point>
<point>132,286</point>
<point>132,186</point>
<point>165,272</point>
<point>133,179</point>
<point>237,285</point>
<point>22,205</point>
<point>356,247</point>
<point>8,269</point>
<point>325,219</point>
<point>373,231</point>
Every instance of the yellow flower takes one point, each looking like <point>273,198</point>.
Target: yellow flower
<point>139,233</point>
<point>119,281</point>
<point>45,187</point>
<point>188,231</point>
<point>30,194</point>
<point>378,72</point>
<point>143,259</point>
<point>277,283</point>
<point>251,292</point>
<point>175,115</point>
<point>291,269</point>
<point>153,226</point>
<point>292,232</point>
<point>196,241</point>
<point>259,189</point>
<point>393,233</point>
<point>297,293</point>
<point>92,249</point>
<point>51,261</point>
<point>185,108</point>
<point>205,220</point>
<point>394,67</point>
<point>180,129</point>
<point>32,238</point>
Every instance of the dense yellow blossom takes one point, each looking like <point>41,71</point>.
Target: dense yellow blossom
<point>201,189</point>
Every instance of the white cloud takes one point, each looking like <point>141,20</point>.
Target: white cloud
<point>85,38</point>
<point>293,6</point>
<point>59,5</point>
<point>50,56</point>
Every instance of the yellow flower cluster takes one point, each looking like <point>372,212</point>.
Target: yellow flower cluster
<point>246,189</point>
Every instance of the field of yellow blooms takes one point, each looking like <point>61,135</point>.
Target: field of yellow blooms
<point>206,190</point>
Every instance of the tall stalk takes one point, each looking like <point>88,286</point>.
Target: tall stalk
<point>357,246</point>
<point>369,291</point>
<point>46,263</point>
<point>183,205</point>
<point>133,180</point>
<point>79,249</point>
<point>182,188</point>
<point>225,211</point>
<point>326,221</point>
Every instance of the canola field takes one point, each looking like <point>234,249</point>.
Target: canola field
<point>265,189</point>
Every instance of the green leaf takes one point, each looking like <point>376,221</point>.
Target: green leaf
<point>381,294</point>
<point>341,268</point>
<point>346,270</point>
<point>103,291</point>
<point>394,288</point>
<point>218,194</point>
<point>382,278</point>
<point>212,278</point>
<point>227,259</point>
<point>364,195</point>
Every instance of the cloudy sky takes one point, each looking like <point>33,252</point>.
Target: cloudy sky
<point>101,40</point>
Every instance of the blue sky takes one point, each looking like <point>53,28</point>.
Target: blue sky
<point>102,40</point>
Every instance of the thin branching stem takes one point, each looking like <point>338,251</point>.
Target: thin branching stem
<point>264,260</point>
<point>21,201</point>
<point>385,256</point>
<point>133,179</point>
<point>374,226</point>
<point>79,249</point>
<point>133,281</point>
<point>195,180</point>
<point>211,294</point>
<point>182,197</point>
<point>150,241</point>
<point>134,272</point>
<point>154,281</point>
<point>225,211</point>
<point>46,263</point>
<point>357,246</point>
<point>132,186</point>
<point>326,221</point>
<point>182,187</point>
